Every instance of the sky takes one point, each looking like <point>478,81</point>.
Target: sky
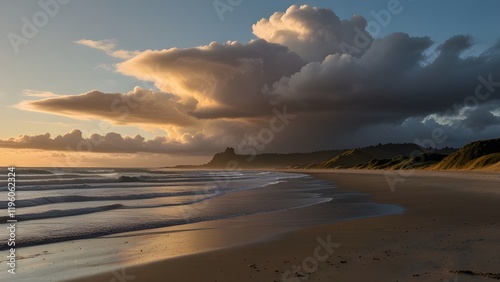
<point>161,83</point>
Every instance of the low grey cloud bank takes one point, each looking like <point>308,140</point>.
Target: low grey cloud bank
<point>110,143</point>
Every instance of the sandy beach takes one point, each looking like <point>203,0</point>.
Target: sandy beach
<point>449,232</point>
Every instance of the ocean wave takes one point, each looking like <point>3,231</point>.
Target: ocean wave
<point>42,183</point>
<point>77,198</point>
<point>65,182</point>
<point>58,213</point>
<point>62,213</point>
<point>125,178</point>
<point>33,171</point>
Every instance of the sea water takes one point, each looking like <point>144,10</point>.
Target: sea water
<point>61,204</point>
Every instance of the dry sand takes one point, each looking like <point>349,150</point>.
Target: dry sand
<point>449,232</point>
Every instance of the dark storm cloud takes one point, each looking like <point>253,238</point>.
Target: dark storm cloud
<point>481,118</point>
<point>390,83</point>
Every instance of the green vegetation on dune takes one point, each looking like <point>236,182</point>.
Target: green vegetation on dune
<point>388,156</point>
<point>472,156</point>
<point>485,162</point>
<point>347,159</point>
<point>402,162</point>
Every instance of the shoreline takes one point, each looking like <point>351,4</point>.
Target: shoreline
<point>449,231</point>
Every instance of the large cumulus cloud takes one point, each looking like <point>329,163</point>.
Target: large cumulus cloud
<point>313,33</point>
<point>224,80</point>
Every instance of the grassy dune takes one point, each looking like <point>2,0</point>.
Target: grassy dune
<point>476,155</point>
